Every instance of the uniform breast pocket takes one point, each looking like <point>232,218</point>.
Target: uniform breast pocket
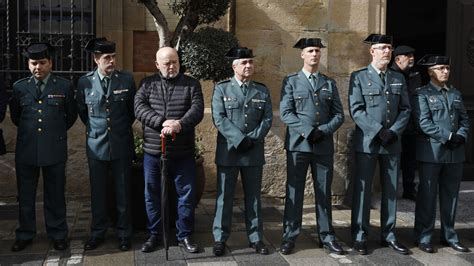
<point>93,106</point>
<point>121,97</point>
<point>26,101</point>
<point>301,100</point>
<point>457,104</point>
<point>435,108</point>
<point>231,107</point>
<point>55,102</point>
<point>325,96</point>
<point>371,96</point>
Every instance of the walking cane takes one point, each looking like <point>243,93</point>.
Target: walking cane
<point>164,193</point>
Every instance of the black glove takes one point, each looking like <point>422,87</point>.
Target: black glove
<point>315,136</point>
<point>387,137</point>
<point>455,141</point>
<point>245,145</point>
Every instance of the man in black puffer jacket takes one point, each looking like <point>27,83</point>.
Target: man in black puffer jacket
<point>169,103</point>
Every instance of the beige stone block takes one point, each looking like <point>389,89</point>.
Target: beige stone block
<point>134,16</point>
<point>349,15</point>
<point>282,15</point>
<point>128,53</point>
<point>347,52</point>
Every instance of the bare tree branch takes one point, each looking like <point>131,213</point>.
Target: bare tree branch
<point>187,24</point>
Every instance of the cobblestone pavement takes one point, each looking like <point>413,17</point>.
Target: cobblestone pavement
<point>306,252</point>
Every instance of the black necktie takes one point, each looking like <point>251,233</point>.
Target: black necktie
<point>444,91</point>
<point>105,84</point>
<point>312,80</point>
<point>382,77</point>
<point>38,87</point>
<point>244,89</point>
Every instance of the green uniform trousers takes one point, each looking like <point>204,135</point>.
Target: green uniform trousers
<point>321,171</point>
<point>445,177</point>
<point>365,169</point>
<point>252,182</point>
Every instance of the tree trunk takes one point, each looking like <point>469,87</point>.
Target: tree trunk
<point>160,22</point>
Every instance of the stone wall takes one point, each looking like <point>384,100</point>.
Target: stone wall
<point>270,28</point>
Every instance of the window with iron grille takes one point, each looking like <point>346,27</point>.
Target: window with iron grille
<point>66,24</point>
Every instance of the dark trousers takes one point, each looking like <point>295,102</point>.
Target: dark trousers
<point>54,200</point>
<point>252,182</point>
<point>434,177</point>
<point>120,171</point>
<point>365,168</point>
<point>182,172</point>
<point>321,172</point>
<point>408,162</point>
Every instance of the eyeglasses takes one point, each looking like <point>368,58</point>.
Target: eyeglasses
<point>441,68</point>
<point>383,48</point>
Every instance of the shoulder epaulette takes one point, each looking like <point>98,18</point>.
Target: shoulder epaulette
<point>292,74</point>
<point>21,80</point>
<point>260,83</point>
<point>223,81</point>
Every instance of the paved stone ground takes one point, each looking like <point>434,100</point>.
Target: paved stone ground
<point>307,251</point>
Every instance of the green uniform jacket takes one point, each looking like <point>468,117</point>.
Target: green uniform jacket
<point>236,116</point>
<point>374,106</point>
<point>42,121</point>
<point>303,108</point>
<point>437,121</point>
<point>108,118</point>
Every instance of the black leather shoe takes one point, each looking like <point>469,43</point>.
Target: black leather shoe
<point>124,243</point>
<point>333,247</point>
<point>426,247</point>
<point>59,244</point>
<point>455,245</point>
<point>360,247</point>
<point>189,245</point>
<point>397,247</point>
<point>219,248</point>
<point>409,195</point>
<point>287,247</point>
<point>260,247</point>
<point>20,244</point>
<point>93,243</point>
<point>151,244</point>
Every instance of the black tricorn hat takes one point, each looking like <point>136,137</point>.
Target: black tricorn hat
<point>403,50</point>
<point>38,50</point>
<point>100,46</point>
<point>378,38</point>
<point>239,52</point>
<point>309,42</point>
<point>434,59</point>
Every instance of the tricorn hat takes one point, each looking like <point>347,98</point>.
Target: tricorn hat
<point>239,52</point>
<point>433,59</point>
<point>309,42</point>
<point>38,50</point>
<point>100,46</point>
<point>378,38</point>
<point>403,50</point>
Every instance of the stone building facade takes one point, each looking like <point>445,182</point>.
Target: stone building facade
<point>270,28</point>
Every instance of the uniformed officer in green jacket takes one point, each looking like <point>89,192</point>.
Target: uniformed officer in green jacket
<point>105,98</point>
<point>444,126</point>
<point>242,114</point>
<point>43,108</point>
<point>311,108</point>
<point>380,108</point>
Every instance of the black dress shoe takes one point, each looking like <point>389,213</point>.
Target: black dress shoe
<point>360,247</point>
<point>426,247</point>
<point>219,248</point>
<point>397,247</point>
<point>260,247</point>
<point>409,195</point>
<point>93,243</point>
<point>333,247</point>
<point>455,245</point>
<point>59,244</point>
<point>287,247</point>
<point>151,244</point>
<point>189,245</point>
<point>124,243</point>
<point>21,244</point>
